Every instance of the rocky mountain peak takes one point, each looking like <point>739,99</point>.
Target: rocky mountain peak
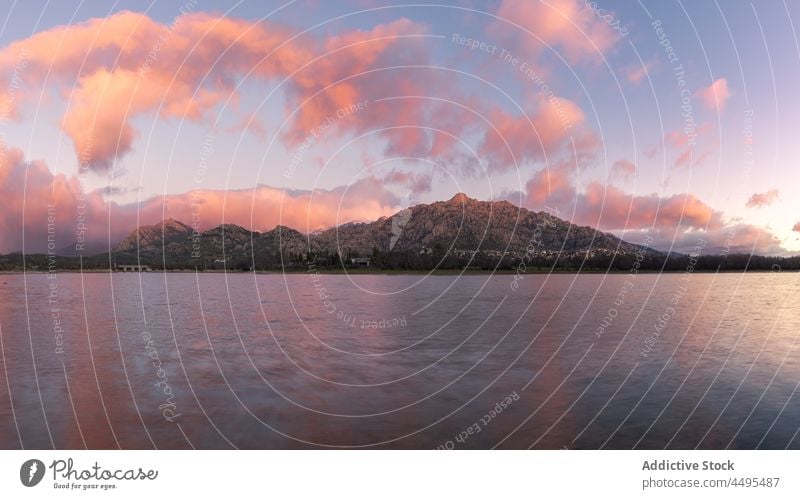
<point>152,237</point>
<point>459,228</point>
<point>460,198</point>
<point>171,223</point>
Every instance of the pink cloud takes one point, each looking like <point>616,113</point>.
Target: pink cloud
<point>544,132</point>
<point>694,146</point>
<point>550,187</point>
<point>349,71</point>
<point>114,69</point>
<point>731,239</point>
<point>636,74</point>
<point>759,200</point>
<point>674,222</point>
<point>623,168</point>
<point>568,26</point>
<point>38,204</point>
<point>35,199</point>
<point>715,95</point>
<point>681,138</point>
<point>610,208</point>
<point>263,207</point>
<point>689,157</point>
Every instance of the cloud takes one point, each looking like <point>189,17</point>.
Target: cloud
<point>349,71</point>
<point>97,120</point>
<point>110,191</point>
<point>636,74</point>
<point>111,70</point>
<point>796,227</point>
<point>715,95</point>
<point>759,200</point>
<point>610,208</point>
<point>41,209</point>
<point>674,222</point>
<point>693,145</point>
<point>731,239</point>
<point>414,182</point>
<point>689,158</point>
<point>550,187</point>
<point>570,27</point>
<point>553,125</point>
<point>683,138</point>
<point>622,168</point>
<point>745,238</point>
<point>263,207</point>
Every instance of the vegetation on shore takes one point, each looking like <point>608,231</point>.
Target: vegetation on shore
<point>299,263</point>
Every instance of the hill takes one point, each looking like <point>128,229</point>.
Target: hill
<point>455,233</point>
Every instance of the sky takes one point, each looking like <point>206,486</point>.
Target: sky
<point>675,121</point>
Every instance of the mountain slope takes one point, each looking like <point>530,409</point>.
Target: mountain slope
<point>466,224</point>
<point>170,234</point>
<point>458,227</point>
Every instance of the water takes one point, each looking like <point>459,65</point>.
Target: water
<point>403,361</point>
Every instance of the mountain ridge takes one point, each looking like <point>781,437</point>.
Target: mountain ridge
<point>457,234</point>
<point>460,228</point>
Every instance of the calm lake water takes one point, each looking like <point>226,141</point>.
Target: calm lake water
<point>403,361</point>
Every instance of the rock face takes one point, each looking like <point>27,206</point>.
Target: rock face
<point>465,224</point>
<point>225,240</point>
<point>178,245</point>
<point>154,238</point>
<point>458,227</point>
<point>281,238</point>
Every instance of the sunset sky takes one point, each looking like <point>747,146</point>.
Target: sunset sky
<point>674,119</point>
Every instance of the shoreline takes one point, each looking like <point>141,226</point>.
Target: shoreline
<point>394,272</point>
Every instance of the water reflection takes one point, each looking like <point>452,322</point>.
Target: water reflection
<point>274,361</point>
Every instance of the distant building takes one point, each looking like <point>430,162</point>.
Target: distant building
<point>133,268</point>
<point>360,262</point>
